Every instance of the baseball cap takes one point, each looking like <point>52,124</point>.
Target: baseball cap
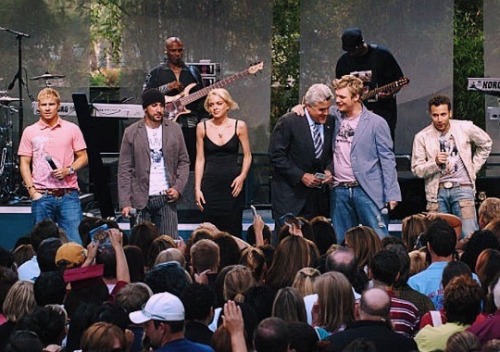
<point>351,38</point>
<point>161,306</point>
<point>70,255</point>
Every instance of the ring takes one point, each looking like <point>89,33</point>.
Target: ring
<point>197,203</point>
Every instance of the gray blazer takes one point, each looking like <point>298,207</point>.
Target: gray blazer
<point>134,162</point>
<point>372,157</point>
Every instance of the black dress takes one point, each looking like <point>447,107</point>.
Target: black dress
<point>221,168</point>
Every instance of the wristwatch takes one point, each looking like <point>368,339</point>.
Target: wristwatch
<point>71,171</point>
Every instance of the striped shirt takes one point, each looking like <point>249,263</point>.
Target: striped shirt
<point>404,316</point>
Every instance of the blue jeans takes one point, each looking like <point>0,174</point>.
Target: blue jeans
<point>66,211</point>
<point>459,201</point>
<point>351,207</point>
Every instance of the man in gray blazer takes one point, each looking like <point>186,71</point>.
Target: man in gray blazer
<point>301,155</point>
<point>153,167</point>
<point>365,184</point>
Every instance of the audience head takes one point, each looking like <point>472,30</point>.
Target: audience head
<point>463,341</point>
<point>205,255</point>
<point>488,210</point>
<point>88,223</point>
<point>49,288</point>
<point>335,300</point>
<point>291,255</point>
<point>23,253</point>
<point>374,304</point>
<point>365,243</point>
<point>418,261</point>
<point>441,239</point>
<point>385,267</point>
<point>48,322</point>
<point>266,234</point>
<point>254,259</point>
<point>133,296</point>
<point>453,269</point>
<point>271,335</point>
<point>46,254</point>
<point>462,300</point>
<point>289,306</point>
<point>411,227</point>
<point>404,260</point>
<point>303,337</point>
<point>70,255</point>
<point>479,241</point>
<point>167,277</point>
<point>136,263</point>
<point>24,341</point>
<point>171,255</point>
<point>159,244</point>
<point>324,234</point>
<point>42,230</point>
<point>102,336</point>
<point>487,266</point>
<point>494,226</point>
<point>237,282</point>
<point>7,259</point>
<point>161,309</point>
<point>304,280</point>
<point>229,253</point>
<point>199,302</point>
<point>142,235</point>
<point>19,301</point>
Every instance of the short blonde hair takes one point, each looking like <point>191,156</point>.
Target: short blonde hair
<point>20,301</point>
<point>417,262</point>
<point>224,95</point>
<point>351,82</point>
<point>49,93</point>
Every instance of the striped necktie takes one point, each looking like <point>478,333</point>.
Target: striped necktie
<point>318,142</point>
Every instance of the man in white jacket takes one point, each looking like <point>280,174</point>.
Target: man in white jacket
<point>443,155</point>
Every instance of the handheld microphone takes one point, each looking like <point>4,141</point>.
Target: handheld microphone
<point>51,162</point>
<point>132,212</point>
<point>442,148</point>
<point>385,209</point>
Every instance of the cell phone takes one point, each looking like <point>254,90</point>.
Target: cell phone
<point>254,210</point>
<point>320,175</point>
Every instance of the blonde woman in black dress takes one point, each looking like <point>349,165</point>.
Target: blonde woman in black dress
<point>219,178</point>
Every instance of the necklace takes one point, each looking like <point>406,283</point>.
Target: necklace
<point>220,130</point>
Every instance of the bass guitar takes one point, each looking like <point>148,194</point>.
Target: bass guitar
<point>386,88</point>
<point>176,105</point>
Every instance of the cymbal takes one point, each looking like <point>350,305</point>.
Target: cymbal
<point>47,76</point>
<point>6,100</point>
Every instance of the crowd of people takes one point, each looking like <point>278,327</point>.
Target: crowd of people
<point>328,278</point>
<point>216,292</point>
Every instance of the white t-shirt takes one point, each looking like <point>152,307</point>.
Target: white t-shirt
<point>157,175</point>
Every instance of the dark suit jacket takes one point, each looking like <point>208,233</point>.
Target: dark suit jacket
<point>291,150</point>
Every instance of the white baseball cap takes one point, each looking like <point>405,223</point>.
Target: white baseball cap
<point>161,306</point>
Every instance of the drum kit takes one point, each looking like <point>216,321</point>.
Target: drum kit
<point>10,178</point>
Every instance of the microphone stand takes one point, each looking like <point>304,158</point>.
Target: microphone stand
<point>19,74</point>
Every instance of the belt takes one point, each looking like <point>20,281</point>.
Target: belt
<point>349,184</point>
<point>159,194</point>
<point>448,185</point>
<point>56,192</point>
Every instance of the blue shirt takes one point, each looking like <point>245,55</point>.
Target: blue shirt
<point>184,345</point>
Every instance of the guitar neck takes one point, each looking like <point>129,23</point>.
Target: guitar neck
<point>375,91</point>
<point>220,84</point>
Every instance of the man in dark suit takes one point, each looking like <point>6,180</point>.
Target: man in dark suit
<point>301,155</point>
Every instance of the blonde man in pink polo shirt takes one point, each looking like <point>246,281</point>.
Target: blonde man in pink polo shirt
<point>51,151</point>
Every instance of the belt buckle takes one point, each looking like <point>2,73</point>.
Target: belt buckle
<point>448,185</point>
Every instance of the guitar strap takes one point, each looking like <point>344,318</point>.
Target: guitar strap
<point>195,76</point>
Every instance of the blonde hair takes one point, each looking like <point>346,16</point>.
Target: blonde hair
<point>417,262</point>
<point>171,254</point>
<point>237,282</point>
<point>49,93</point>
<point>289,306</point>
<point>254,259</point>
<point>335,300</point>
<point>304,280</point>
<point>351,82</point>
<point>20,301</point>
<point>224,95</point>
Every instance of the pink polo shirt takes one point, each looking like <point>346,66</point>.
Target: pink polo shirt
<point>60,142</point>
